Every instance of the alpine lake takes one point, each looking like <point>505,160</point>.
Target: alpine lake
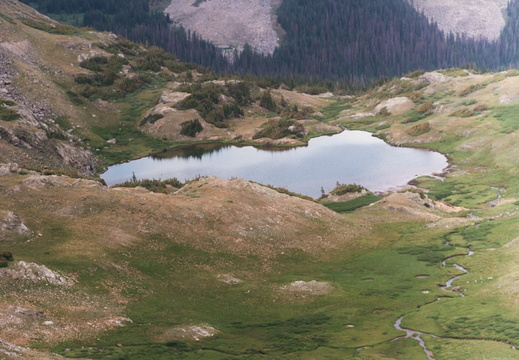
<point>350,157</point>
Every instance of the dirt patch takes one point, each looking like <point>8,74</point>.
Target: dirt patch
<point>316,288</point>
<point>229,279</point>
<point>395,106</point>
<point>189,333</point>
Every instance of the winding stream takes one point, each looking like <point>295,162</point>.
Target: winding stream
<point>417,335</point>
<point>414,334</point>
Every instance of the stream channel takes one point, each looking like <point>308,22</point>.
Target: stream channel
<point>417,335</point>
<point>349,157</point>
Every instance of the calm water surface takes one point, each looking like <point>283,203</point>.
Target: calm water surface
<point>348,157</point>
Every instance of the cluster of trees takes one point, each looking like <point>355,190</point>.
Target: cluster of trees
<point>364,40</point>
<point>357,41</point>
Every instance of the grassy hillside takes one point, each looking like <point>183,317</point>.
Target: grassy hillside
<point>227,269</point>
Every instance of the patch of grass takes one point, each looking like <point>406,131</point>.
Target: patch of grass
<point>7,18</point>
<point>6,113</point>
<point>52,28</point>
<point>351,205</point>
<point>507,116</point>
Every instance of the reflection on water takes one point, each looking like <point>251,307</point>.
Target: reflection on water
<point>349,157</point>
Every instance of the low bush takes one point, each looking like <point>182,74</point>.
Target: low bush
<point>191,128</point>
<point>419,129</point>
<point>157,186</point>
<point>151,119</point>
<point>275,129</point>
<point>342,189</point>
<point>7,114</point>
<point>470,89</point>
<point>465,112</point>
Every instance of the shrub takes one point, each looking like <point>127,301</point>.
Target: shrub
<point>480,107</point>
<point>419,129</point>
<point>232,110</point>
<point>342,189</point>
<point>151,118</point>
<point>465,112</point>
<point>426,108</point>
<point>7,114</point>
<point>268,102</point>
<point>7,255</point>
<point>158,186</point>
<point>3,263</point>
<point>240,92</point>
<point>191,128</point>
<point>470,89</point>
<point>275,129</point>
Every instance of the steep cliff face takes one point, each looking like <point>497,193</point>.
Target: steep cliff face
<point>475,18</point>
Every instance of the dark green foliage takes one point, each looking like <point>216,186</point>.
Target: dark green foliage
<point>158,186</point>
<point>433,254</point>
<point>268,102</point>
<point>191,128</point>
<point>7,102</point>
<point>240,91</point>
<point>349,206</point>
<point>478,232</point>
<point>151,119</point>
<point>60,29</point>
<point>7,114</point>
<point>275,129</point>
<point>342,189</point>
<point>96,63</point>
<point>7,18</point>
<point>232,111</point>
<point>207,101</point>
<point>7,255</point>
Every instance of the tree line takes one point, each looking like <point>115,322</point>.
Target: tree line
<point>354,41</point>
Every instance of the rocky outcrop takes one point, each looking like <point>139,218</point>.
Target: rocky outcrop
<point>317,288</point>
<point>10,223</point>
<point>35,273</point>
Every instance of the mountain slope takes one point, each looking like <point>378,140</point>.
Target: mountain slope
<point>474,18</point>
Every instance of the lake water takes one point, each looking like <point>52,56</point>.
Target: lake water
<point>348,157</point>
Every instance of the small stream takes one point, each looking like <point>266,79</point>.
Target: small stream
<point>417,335</point>
<point>414,335</point>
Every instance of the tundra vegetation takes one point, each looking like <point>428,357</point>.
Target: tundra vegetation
<point>228,269</point>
